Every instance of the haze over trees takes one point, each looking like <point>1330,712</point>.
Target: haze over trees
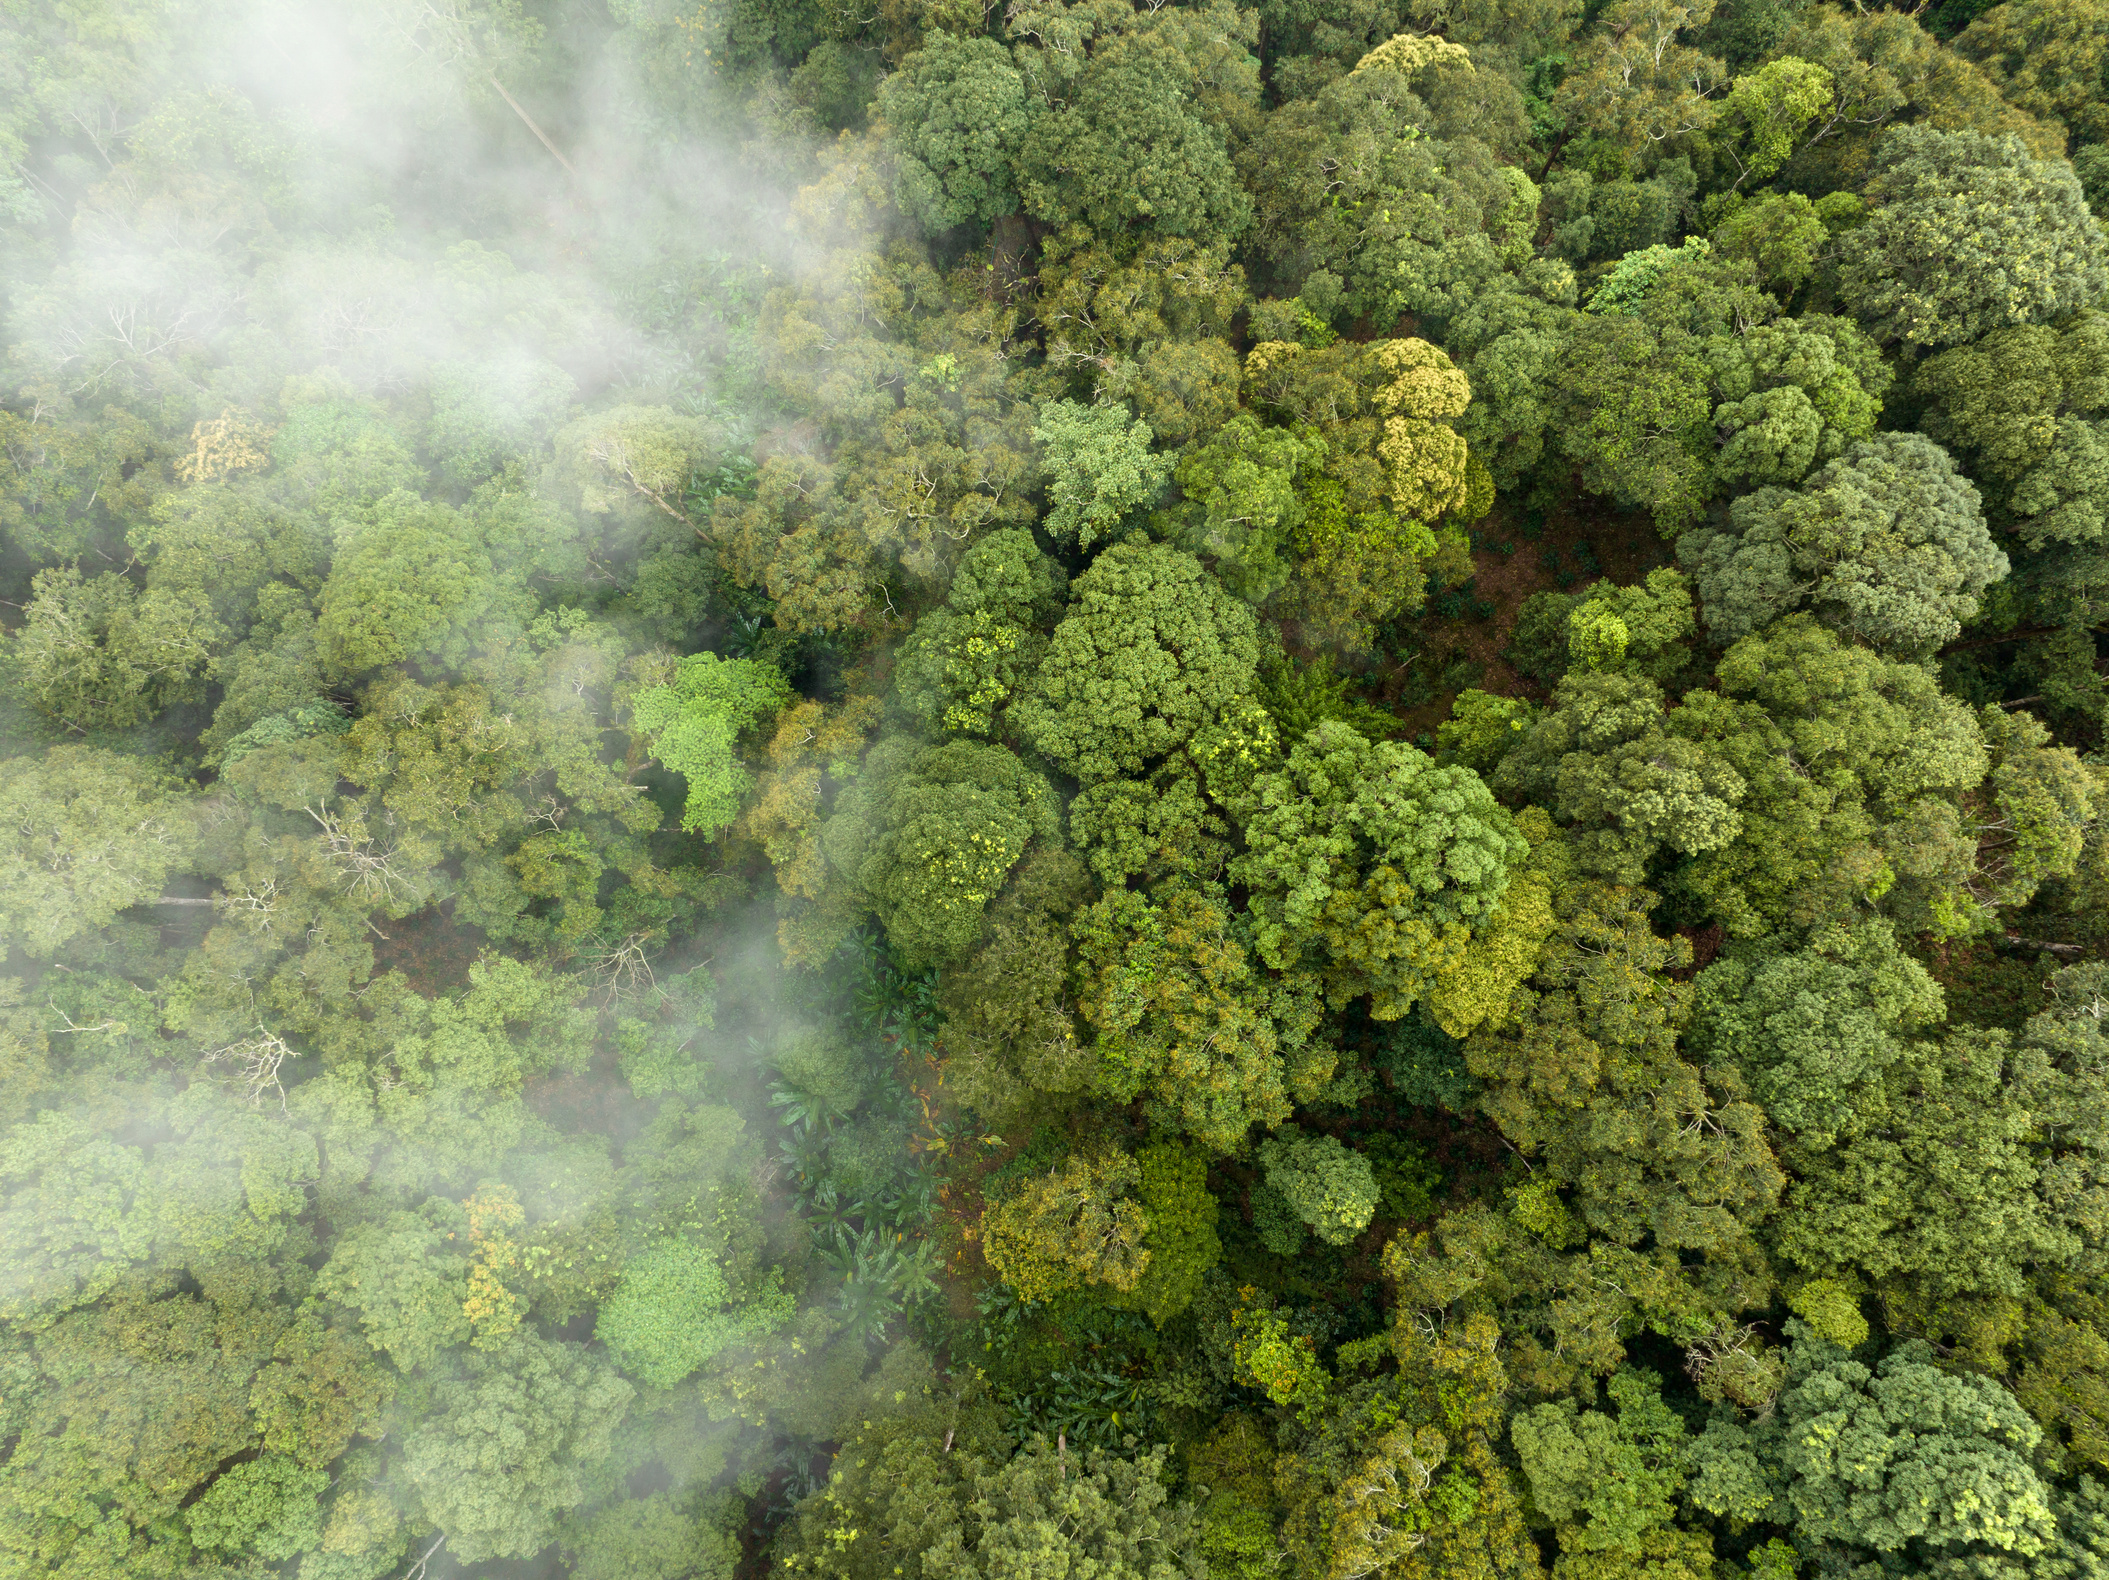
<point>1137,791</point>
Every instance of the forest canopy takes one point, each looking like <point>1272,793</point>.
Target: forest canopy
<point>1090,790</point>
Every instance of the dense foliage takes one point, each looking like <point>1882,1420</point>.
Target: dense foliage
<point>1083,790</point>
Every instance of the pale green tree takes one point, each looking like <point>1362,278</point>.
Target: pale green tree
<point>89,833</point>
<point>694,724</point>
<point>1101,468</point>
<point>512,1439</point>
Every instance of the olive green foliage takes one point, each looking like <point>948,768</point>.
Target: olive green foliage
<point>2021,405</point>
<point>1851,765</point>
<point>100,654</point>
<point>963,663</point>
<point>1605,1479</point>
<point>1241,502</point>
<point>1181,1235</point>
<point>1482,727</point>
<point>1186,1017</point>
<point>1126,150</point>
<point>695,723</point>
<point>663,1537</point>
<point>1372,864</point>
<point>1151,651</point>
<point>90,833</point>
<point>1607,762</point>
<point>266,1506</point>
<point>510,1443</point>
<point>1325,1185</point>
<point>1074,1223</point>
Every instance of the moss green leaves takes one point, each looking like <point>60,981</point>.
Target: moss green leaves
<point>955,114</point>
<point>1152,649</point>
<point>1968,234</point>
<point>1370,863</point>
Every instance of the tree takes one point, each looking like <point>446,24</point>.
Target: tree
<point>267,1506</point>
<point>1639,83</point>
<point>1010,1033</point>
<point>898,1499</point>
<point>410,583</point>
<point>694,723</point>
<point>1792,394</point>
<point>1771,108</point>
<point>1188,1019</point>
<point>1781,233</point>
<point>1582,1070</point>
<point>1241,501</point>
<point>929,836</point>
<point>1905,1457</point>
<point>1151,650</point>
<point>1812,1027</point>
<point>1351,572</point>
<point>663,1537</point>
<point>1968,234</point>
<point>102,655</point>
<point>955,115</point>
<point>1908,1156</point>
<point>1398,1474</point>
<point>1642,628</point>
<point>1180,1233</point>
<point>1321,1183</point>
<point>1888,543</point>
<point>1633,413</point>
<point>2046,56</point>
<point>1421,392</point>
<point>1612,768</point>
<point>2022,406</point>
<point>1074,1223</point>
<point>1127,151</point>
<point>511,1440</point>
<point>1408,211</point>
<point>631,462</point>
<point>1371,865</point>
<point>669,1313</point>
<point>1102,467</point>
<point>90,832</point>
<point>1606,1480</point>
<point>963,663</point>
<point>1852,766</point>
<point>405,1284</point>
